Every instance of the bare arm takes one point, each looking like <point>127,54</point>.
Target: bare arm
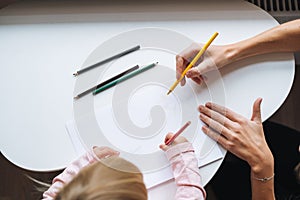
<point>282,38</point>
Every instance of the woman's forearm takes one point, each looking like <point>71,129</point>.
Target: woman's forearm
<point>262,179</point>
<point>282,38</point>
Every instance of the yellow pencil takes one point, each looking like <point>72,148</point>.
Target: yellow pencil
<point>199,54</point>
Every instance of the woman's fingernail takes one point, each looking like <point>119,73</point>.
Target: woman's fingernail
<point>189,74</point>
<point>201,116</point>
<point>201,107</point>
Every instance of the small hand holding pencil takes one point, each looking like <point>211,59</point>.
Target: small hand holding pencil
<point>174,139</point>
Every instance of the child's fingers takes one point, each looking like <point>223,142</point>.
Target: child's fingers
<point>104,152</point>
<point>168,136</point>
<point>163,147</point>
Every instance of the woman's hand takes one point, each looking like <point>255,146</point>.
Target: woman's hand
<point>178,140</point>
<point>239,135</point>
<point>214,58</point>
<point>104,152</point>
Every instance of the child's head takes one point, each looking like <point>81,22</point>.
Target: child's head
<point>104,180</point>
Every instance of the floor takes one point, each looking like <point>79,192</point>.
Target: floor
<point>15,184</point>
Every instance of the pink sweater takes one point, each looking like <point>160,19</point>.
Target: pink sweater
<point>184,166</point>
<point>186,172</point>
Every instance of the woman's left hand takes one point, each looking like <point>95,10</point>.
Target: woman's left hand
<point>239,135</point>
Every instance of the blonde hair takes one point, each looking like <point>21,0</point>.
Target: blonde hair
<point>105,181</point>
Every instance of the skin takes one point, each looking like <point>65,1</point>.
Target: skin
<point>282,38</point>
<point>178,140</point>
<point>244,138</point>
<point>104,152</point>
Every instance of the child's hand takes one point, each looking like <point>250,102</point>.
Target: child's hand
<point>104,152</point>
<point>178,140</point>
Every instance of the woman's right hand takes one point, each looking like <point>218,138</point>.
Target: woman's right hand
<point>214,58</point>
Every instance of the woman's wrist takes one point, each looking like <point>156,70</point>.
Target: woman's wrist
<point>263,167</point>
<point>232,53</point>
<point>242,49</point>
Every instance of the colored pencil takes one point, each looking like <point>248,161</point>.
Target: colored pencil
<point>107,81</point>
<point>125,77</point>
<point>196,58</point>
<point>168,142</point>
<point>107,60</point>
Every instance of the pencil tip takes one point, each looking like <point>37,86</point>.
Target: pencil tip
<point>75,73</point>
<point>169,92</point>
<point>76,97</point>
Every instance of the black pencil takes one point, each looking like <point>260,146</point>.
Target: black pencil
<point>123,78</point>
<point>107,60</point>
<point>106,82</point>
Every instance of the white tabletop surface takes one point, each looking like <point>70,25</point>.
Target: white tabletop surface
<point>43,43</point>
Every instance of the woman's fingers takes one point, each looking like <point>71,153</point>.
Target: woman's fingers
<point>180,67</point>
<point>239,135</point>
<point>225,112</point>
<point>215,125</point>
<point>218,121</point>
<point>195,75</point>
<point>256,114</point>
<point>184,58</point>
<point>197,80</point>
<point>215,136</point>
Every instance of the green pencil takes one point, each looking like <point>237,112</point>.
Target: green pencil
<point>125,77</point>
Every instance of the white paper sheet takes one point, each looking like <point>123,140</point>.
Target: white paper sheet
<point>210,153</point>
<point>134,116</point>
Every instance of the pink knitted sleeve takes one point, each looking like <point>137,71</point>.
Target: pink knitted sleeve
<point>68,174</point>
<point>186,172</point>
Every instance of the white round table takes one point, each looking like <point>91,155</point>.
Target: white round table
<point>43,43</point>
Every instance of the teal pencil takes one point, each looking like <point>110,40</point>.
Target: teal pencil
<point>125,77</point>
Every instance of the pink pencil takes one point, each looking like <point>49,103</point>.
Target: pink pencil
<point>178,133</point>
